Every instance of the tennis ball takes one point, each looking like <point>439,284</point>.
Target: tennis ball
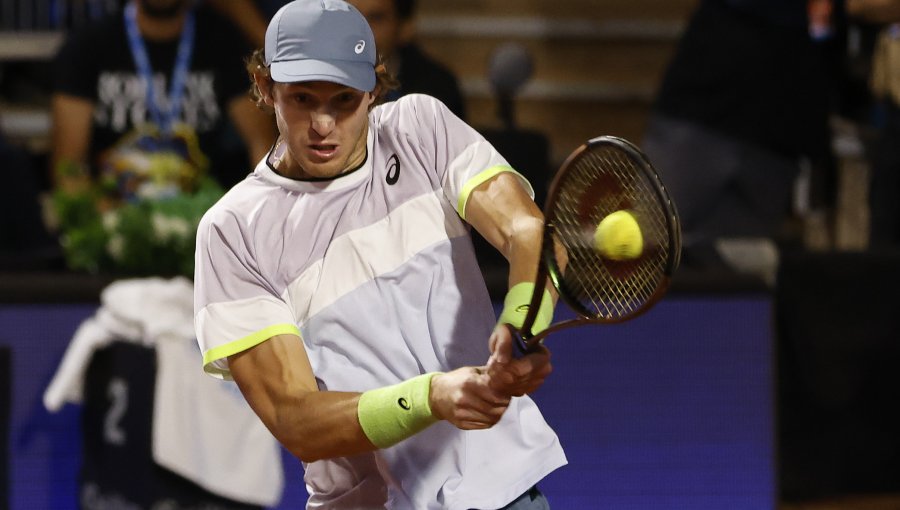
<point>618,237</point>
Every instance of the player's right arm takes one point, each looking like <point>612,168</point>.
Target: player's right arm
<point>277,380</point>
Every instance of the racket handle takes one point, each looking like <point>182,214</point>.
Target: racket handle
<point>519,346</point>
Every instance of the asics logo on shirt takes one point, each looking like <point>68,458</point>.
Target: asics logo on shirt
<point>393,171</point>
<point>360,46</point>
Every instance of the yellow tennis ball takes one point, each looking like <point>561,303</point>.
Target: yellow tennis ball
<point>618,237</point>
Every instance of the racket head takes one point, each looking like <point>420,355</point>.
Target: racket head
<point>605,175</point>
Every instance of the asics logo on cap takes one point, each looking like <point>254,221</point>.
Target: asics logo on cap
<point>360,46</point>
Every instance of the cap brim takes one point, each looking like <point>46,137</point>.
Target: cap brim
<point>358,75</point>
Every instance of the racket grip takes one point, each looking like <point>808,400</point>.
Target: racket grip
<point>519,346</point>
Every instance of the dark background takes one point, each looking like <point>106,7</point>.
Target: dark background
<point>671,410</point>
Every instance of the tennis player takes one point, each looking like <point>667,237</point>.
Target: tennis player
<point>337,285</point>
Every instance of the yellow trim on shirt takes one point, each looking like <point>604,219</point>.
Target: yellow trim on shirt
<point>223,351</point>
<point>476,181</point>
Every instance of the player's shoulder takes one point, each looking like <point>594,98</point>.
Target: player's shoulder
<point>235,206</point>
<point>422,103</point>
<point>410,113</point>
<point>411,105</point>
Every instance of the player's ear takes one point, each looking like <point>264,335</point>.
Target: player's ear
<point>265,85</point>
<point>373,97</point>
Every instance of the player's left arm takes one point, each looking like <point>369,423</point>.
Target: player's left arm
<point>505,215</point>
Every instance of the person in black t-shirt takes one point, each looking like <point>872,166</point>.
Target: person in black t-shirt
<point>25,242</point>
<point>884,186</point>
<point>744,101</point>
<point>100,94</point>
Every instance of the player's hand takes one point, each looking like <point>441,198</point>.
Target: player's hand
<point>465,398</point>
<point>515,376</point>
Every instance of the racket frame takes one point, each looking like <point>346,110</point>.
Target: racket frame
<point>548,267</point>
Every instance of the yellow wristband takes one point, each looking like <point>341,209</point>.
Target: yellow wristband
<point>516,303</point>
<point>391,414</point>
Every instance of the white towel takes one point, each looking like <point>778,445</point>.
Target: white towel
<point>203,428</point>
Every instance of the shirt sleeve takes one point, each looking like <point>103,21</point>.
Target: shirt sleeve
<point>463,158</point>
<point>235,308</point>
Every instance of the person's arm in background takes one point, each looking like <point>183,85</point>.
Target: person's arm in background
<point>71,132</point>
<point>256,127</point>
<point>72,110</point>
<point>277,380</point>
<point>70,139</point>
<point>874,11</point>
<point>501,211</point>
<point>247,16</point>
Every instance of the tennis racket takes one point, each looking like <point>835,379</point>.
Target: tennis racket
<point>604,175</point>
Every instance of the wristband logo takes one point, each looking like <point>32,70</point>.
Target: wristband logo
<point>403,403</point>
<point>522,308</point>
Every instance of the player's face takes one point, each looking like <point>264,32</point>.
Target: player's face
<point>325,126</point>
<point>386,25</point>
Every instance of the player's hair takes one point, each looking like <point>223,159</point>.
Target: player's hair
<point>256,67</point>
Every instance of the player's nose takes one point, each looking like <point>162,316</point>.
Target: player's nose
<point>322,122</point>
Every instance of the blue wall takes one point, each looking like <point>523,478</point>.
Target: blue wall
<point>673,410</point>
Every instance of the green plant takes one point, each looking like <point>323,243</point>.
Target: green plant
<point>151,236</point>
<point>139,216</point>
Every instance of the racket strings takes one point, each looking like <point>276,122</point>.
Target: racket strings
<point>604,180</point>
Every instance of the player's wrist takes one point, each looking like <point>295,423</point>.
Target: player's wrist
<point>391,414</point>
<point>517,302</point>
<point>433,404</point>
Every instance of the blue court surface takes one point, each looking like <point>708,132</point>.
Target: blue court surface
<point>673,410</point>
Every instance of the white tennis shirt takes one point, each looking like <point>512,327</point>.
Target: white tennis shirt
<point>375,271</point>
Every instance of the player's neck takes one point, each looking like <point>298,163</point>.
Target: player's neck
<point>159,29</point>
<point>283,162</point>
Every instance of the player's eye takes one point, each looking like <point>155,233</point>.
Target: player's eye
<point>302,98</point>
<point>347,100</point>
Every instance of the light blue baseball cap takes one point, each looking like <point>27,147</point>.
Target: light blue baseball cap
<point>327,40</point>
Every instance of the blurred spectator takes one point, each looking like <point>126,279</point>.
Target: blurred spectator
<point>743,104</point>
<point>24,241</point>
<point>393,23</point>
<point>885,87</point>
<point>199,83</point>
<point>250,17</point>
<point>882,12</point>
